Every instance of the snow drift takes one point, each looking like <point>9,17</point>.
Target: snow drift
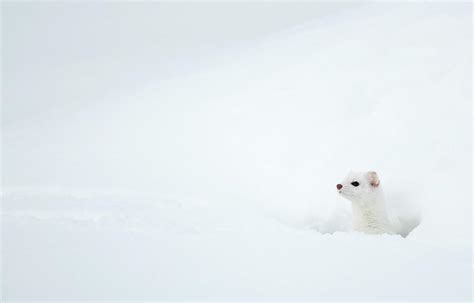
<point>217,183</point>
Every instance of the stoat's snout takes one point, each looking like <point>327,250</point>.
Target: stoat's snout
<point>339,186</point>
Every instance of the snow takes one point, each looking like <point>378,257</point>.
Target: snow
<point>91,246</point>
<point>217,182</point>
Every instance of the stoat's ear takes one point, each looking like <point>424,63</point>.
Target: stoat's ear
<point>373,178</point>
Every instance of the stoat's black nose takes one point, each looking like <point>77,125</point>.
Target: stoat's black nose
<point>339,186</point>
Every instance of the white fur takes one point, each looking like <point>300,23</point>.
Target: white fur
<point>369,211</point>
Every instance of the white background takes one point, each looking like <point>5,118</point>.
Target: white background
<point>191,151</point>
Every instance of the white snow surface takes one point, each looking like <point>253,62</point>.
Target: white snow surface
<point>218,183</point>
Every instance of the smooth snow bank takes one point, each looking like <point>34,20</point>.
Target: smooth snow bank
<point>279,122</point>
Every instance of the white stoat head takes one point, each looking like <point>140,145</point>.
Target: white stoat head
<point>360,186</point>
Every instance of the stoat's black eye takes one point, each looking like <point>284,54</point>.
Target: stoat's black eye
<point>355,183</point>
